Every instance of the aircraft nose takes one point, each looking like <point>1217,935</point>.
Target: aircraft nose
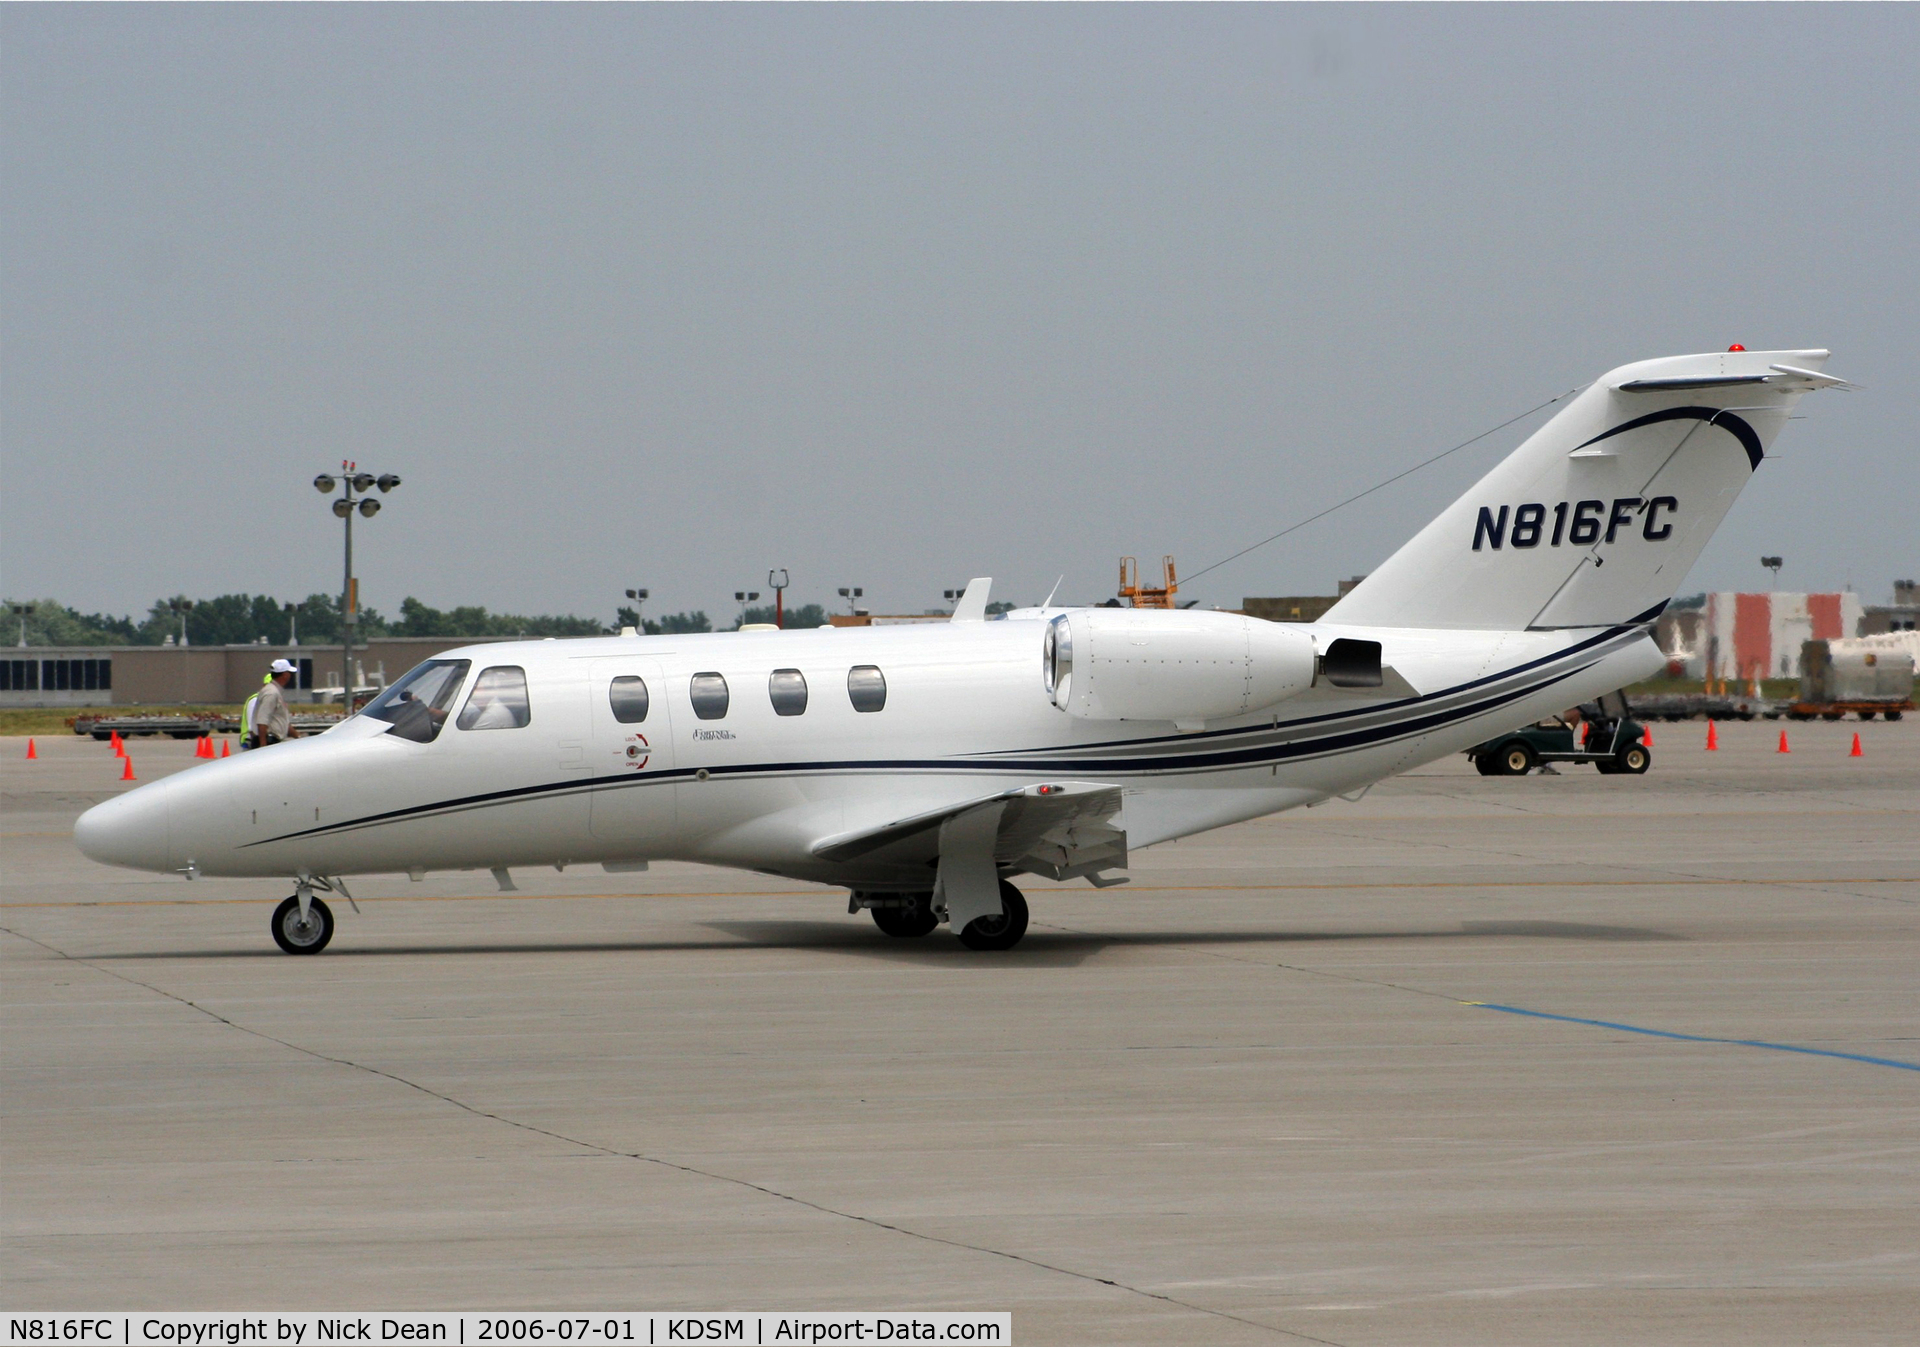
<point>130,830</point>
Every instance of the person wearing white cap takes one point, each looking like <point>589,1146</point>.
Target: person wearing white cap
<point>271,721</point>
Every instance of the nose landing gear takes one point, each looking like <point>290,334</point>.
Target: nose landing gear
<point>299,932</point>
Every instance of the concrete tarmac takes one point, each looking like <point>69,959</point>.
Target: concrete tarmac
<point>1564,1059</point>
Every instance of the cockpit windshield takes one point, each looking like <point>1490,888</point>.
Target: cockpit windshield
<point>417,705</point>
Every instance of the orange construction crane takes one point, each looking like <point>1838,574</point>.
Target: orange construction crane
<point>1147,596</point>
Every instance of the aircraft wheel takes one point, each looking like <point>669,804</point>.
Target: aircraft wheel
<point>297,937</point>
<point>1003,931</point>
<point>906,922</point>
<point>1634,759</point>
<point>1516,759</point>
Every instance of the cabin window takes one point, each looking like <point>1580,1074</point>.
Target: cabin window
<point>787,689</point>
<point>866,687</point>
<point>628,697</point>
<point>498,700</point>
<point>708,692</point>
<point>417,705</point>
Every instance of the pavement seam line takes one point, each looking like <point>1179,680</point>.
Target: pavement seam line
<point>1516,1010</point>
<point>615,1153</point>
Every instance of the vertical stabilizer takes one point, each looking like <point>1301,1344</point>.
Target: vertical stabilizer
<point>1598,517</point>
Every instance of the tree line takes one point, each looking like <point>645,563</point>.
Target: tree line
<point>245,619</point>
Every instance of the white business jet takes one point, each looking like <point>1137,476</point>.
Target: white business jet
<point>922,766</point>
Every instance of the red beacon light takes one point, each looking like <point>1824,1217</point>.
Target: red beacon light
<point>1736,347</point>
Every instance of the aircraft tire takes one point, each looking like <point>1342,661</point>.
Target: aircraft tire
<point>1516,758</point>
<point>295,939</point>
<point>1634,759</point>
<point>1003,931</point>
<point>907,922</point>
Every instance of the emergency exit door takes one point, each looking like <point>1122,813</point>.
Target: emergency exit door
<point>631,755</point>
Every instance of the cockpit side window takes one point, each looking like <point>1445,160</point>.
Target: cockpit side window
<point>498,700</point>
<point>417,705</point>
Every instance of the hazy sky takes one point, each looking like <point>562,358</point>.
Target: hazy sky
<point>897,295</point>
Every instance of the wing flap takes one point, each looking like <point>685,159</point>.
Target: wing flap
<point>1059,829</point>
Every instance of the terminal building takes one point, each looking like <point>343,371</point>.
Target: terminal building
<point>200,675</point>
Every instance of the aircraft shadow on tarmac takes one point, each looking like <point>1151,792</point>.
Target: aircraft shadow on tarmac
<point>1042,948</point>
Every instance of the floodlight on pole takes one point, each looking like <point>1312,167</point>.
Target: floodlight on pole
<point>852,594</point>
<point>355,484</point>
<point>639,597</point>
<point>23,611</point>
<point>1774,564</point>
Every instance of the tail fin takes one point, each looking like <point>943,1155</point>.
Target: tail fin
<point>1597,518</point>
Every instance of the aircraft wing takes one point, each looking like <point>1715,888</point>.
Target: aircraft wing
<point>1060,829</point>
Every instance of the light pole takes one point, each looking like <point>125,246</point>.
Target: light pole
<point>639,597</point>
<point>1774,564</point>
<point>293,623</point>
<point>23,611</point>
<point>352,479</point>
<point>779,588</point>
<point>180,609</point>
<point>953,596</point>
<point>852,594</point>
<point>743,597</point>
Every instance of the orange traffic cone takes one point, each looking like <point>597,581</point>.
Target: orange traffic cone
<point>128,775</point>
<point>1856,753</point>
<point>1646,736</point>
<point>226,749</point>
<point>1783,743</point>
<point>32,754</point>
<point>206,745</point>
<point>119,749</point>
<point>1713,740</point>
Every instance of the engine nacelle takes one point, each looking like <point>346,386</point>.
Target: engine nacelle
<point>1156,664</point>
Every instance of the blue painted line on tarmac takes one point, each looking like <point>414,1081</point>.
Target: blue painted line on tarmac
<point>1702,1038</point>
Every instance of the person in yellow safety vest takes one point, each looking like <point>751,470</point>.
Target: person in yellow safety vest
<point>246,716</point>
<point>267,719</point>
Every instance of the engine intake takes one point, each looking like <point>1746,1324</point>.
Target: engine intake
<point>1187,667</point>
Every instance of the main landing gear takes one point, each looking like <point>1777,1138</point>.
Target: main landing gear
<point>1002,931</point>
<point>909,915</point>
